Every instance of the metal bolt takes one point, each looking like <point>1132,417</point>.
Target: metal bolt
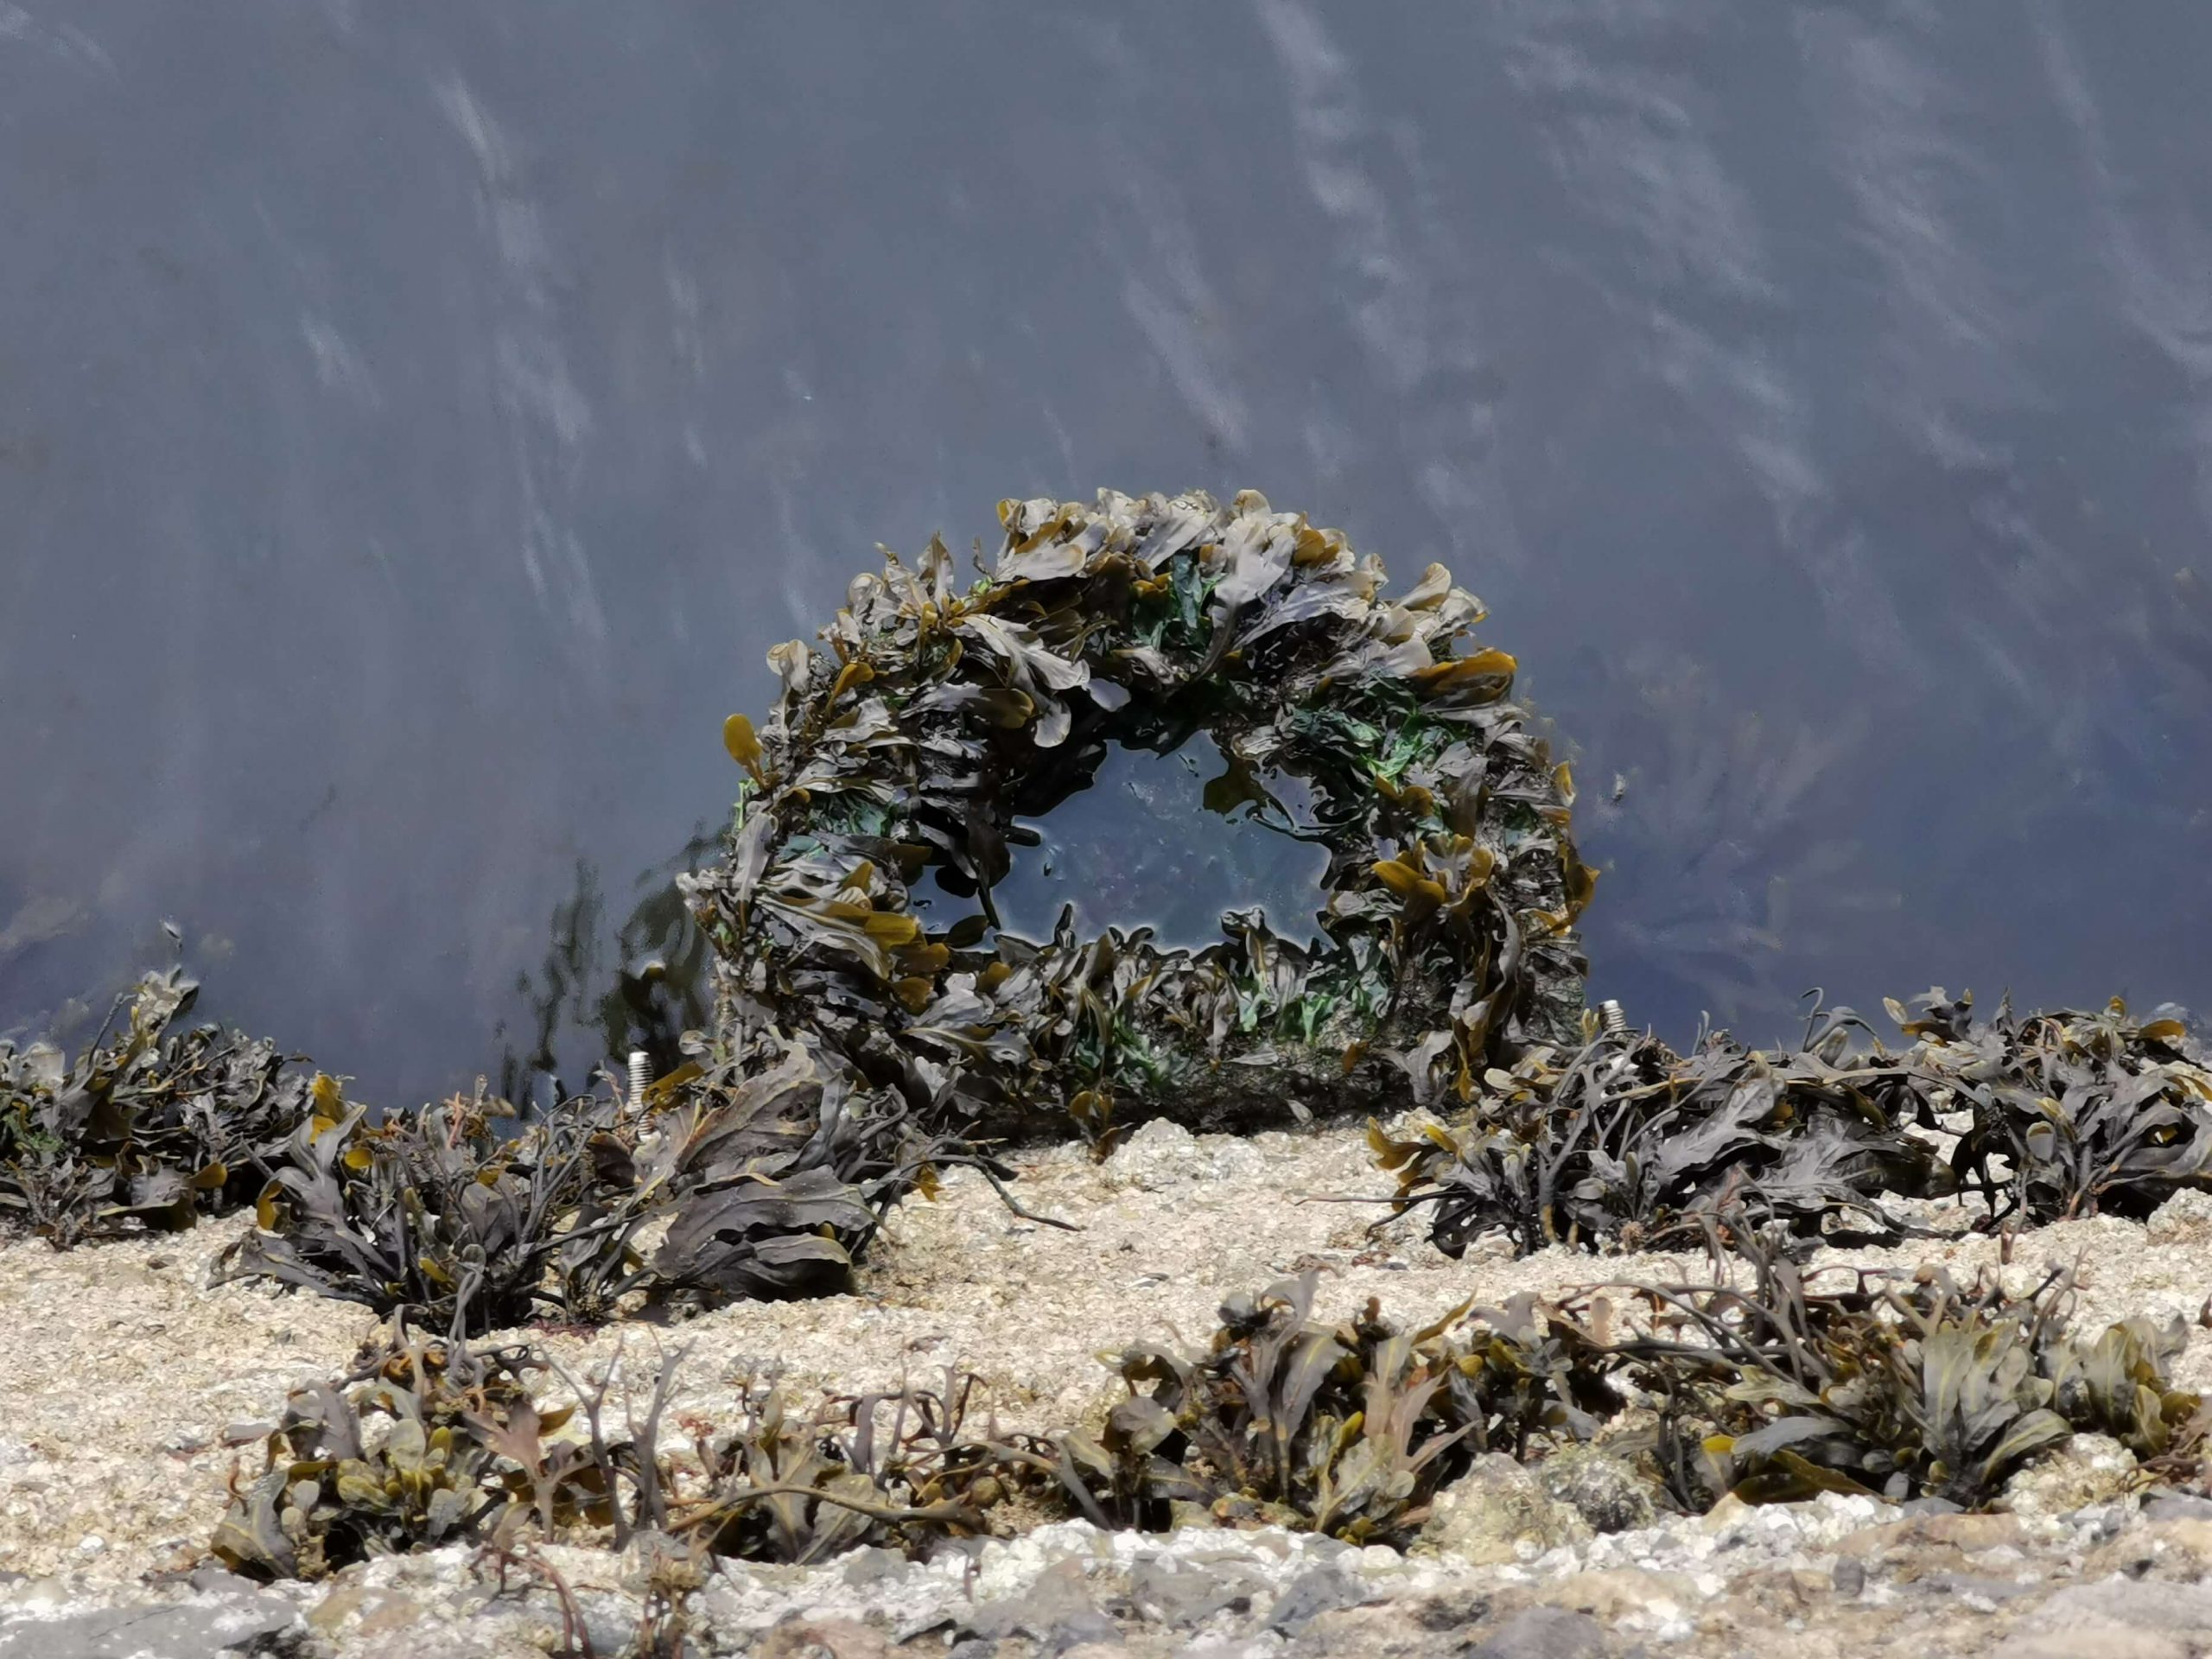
<point>1614,1018</point>
<point>641,1074</point>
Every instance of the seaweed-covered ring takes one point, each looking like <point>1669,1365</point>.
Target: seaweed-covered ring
<point>939,711</point>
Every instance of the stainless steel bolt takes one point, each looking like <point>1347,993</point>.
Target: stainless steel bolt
<point>641,1075</point>
<point>1610,1013</point>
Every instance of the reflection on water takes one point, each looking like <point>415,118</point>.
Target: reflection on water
<point>591,1002</point>
<point>416,423</point>
<point>1159,841</point>
<point>1735,870</point>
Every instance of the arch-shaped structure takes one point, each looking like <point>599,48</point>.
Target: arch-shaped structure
<point>938,710</point>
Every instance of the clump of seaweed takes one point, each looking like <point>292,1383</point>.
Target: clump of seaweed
<point>1896,1385</point>
<point>427,1443</point>
<point>1624,1143</point>
<point>941,711</point>
<point>778,1173</point>
<point>1901,1385</point>
<point>900,1469</point>
<point>431,1442</point>
<point>152,1126</point>
<point>1349,1429</point>
<point>2073,1113</point>
<point>771,1182</point>
<point>435,1214</point>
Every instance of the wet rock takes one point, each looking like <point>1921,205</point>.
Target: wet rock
<point>1544,1633</point>
<point>822,1638</point>
<point>1058,1598</point>
<point>1625,1595</point>
<point>2187,1214</point>
<point>230,1626</point>
<point>1496,1514</point>
<point>1089,1629</point>
<point>2146,1605</point>
<point>1601,1486</point>
<point>1164,1591</point>
<point>1317,1590</point>
<point>2100,1642</point>
<point>2089,1469</point>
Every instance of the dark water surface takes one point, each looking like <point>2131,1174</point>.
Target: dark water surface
<point>416,420</point>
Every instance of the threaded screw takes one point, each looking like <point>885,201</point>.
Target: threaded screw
<point>1611,1014</point>
<point>641,1075</point>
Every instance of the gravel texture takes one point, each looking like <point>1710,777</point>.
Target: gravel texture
<point>123,1373</point>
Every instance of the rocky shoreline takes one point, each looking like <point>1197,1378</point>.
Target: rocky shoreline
<point>2119,1579</point>
<point>131,1392</point>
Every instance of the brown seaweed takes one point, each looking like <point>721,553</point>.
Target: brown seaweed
<point>772,1184</point>
<point>1349,1428</point>
<point>2086,1113</point>
<point>434,1215</point>
<point>466,1451</point>
<point>901,1469</point>
<point>152,1127</point>
<point>939,710</point>
<point>1622,1143</point>
<point>1773,1387</point>
<point>1900,1384</point>
<point>426,1443</point>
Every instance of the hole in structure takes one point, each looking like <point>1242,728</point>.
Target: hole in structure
<point>1167,841</point>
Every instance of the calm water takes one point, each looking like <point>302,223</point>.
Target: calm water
<point>415,422</point>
